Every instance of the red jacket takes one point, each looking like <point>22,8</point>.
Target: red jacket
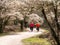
<point>37,25</point>
<point>31,25</point>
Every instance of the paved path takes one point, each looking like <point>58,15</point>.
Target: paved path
<point>16,39</point>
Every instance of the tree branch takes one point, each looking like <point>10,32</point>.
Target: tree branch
<point>52,30</point>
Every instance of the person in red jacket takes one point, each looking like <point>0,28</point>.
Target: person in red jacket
<point>31,26</point>
<point>37,26</point>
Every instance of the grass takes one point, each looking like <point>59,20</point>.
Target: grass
<point>36,41</point>
<point>7,33</point>
<point>3,34</point>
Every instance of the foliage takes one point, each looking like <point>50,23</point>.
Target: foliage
<point>3,23</point>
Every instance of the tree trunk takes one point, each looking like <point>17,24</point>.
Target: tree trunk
<point>21,22</point>
<point>1,21</point>
<point>52,30</point>
<point>25,22</point>
<point>1,30</point>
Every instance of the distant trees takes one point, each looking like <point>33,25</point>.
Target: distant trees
<point>21,8</point>
<point>54,30</point>
<point>3,18</point>
<point>3,23</point>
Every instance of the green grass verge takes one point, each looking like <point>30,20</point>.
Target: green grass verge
<point>3,34</point>
<point>36,41</point>
<point>7,33</point>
